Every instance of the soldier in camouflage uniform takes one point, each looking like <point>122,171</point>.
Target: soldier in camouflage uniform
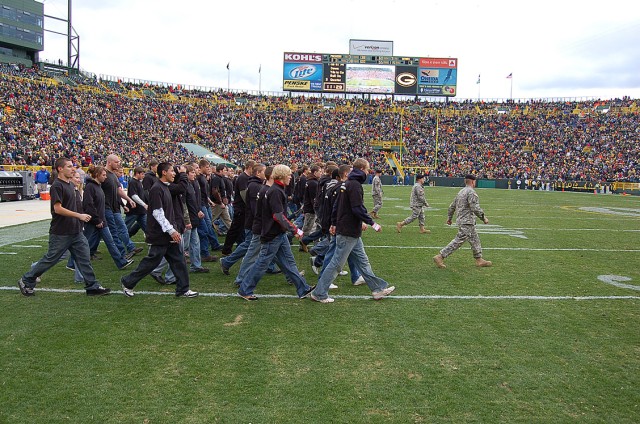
<point>416,203</point>
<point>467,206</point>
<point>376,192</point>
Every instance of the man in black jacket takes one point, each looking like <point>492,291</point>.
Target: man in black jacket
<point>136,218</point>
<point>193,201</point>
<point>162,236</point>
<point>219,196</point>
<point>349,219</point>
<point>208,238</point>
<point>236,232</point>
<point>253,187</point>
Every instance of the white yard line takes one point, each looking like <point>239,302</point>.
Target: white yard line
<point>355,297</point>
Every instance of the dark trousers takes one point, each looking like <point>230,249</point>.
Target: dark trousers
<point>78,246</point>
<point>173,253</point>
<point>236,232</point>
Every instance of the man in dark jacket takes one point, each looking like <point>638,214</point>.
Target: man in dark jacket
<point>220,197</point>
<point>236,232</point>
<point>254,184</point>
<point>208,238</point>
<point>349,219</point>
<point>150,177</point>
<point>136,218</point>
<point>193,202</point>
<point>162,236</point>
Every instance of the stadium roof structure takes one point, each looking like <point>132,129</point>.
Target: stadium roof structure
<point>203,152</point>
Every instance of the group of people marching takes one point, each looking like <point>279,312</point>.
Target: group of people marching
<point>322,204</point>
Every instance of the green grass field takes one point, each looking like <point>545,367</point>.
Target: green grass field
<point>537,338</point>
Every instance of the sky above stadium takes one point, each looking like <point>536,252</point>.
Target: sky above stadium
<point>552,48</point>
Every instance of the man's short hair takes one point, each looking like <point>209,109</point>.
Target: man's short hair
<point>257,168</point>
<point>268,171</point>
<point>163,166</point>
<point>153,162</point>
<point>280,172</point>
<point>220,167</point>
<point>138,170</point>
<point>360,163</point>
<point>60,163</point>
<point>203,163</point>
<point>344,170</point>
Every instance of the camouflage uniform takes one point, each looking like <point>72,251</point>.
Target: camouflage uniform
<point>416,203</point>
<point>376,192</point>
<point>467,206</point>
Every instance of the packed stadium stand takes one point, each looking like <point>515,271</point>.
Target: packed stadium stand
<point>47,115</point>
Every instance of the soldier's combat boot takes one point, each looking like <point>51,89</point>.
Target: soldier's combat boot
<point>424,230</point>
<point>439,260</point>
<point>482,262</point>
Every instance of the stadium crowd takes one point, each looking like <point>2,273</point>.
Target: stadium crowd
<point>42,121</point>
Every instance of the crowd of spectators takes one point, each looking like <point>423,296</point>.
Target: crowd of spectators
<point>568,140</point>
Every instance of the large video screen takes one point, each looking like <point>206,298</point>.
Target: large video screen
<point>337,73</point>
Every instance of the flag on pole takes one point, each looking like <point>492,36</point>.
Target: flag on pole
<point>228,63</point>
<point>510,75</point>
<point>260,69</point>
<point>478,82</point>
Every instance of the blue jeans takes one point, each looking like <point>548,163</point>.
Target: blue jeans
<point>94,234</point>
<point>250,257</point>
<point>119,231</point>
<point>239,253</point>
<point>278,249</point>
<point>136,222</point>
<point>320,248</point>
<point>78,246</point>
<point>326,259</point>
<point>192,243</point>
<point>292,207</point>
<point>346,247</point>
<point>208,238</point>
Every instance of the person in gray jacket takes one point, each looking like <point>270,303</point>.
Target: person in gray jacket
<point>417,203</point>
<point>467,206</point>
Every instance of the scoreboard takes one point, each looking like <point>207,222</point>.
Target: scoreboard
<point>344,73</point>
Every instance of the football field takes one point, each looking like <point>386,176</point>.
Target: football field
<point>550,333</point>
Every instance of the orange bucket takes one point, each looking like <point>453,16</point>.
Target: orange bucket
<point>45,195</point>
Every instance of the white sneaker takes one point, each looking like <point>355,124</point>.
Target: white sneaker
<point>332,286</point>
<point>127,292</point>
<point>360,281</point>
<point>188,293</point>
<point>383,293</point>
<point>327,300</point>
<point>315,269</point>
<point>343,273</point>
